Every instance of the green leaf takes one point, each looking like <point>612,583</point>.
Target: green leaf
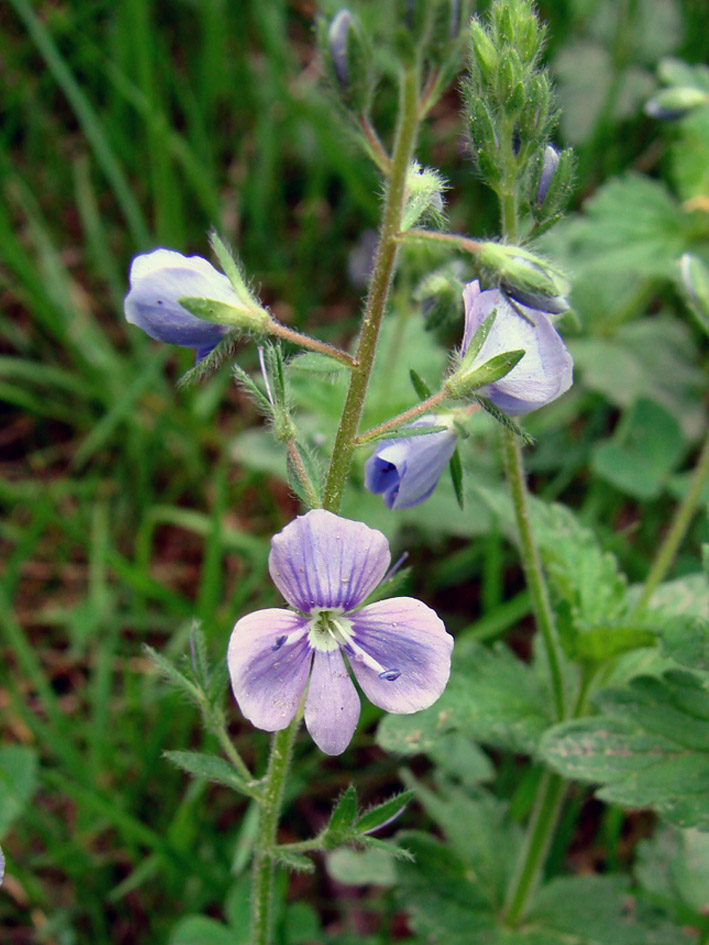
<point>362,867</point>
<point>173,675</point>
<point>18,782</point>
<point>201,930</point>
<point>644,450</point>
<point>648,747</point>
<point>211,767</point>
<point>491,697</point>
<point>309,492</point>
<point>380,814</point>
<point>296,862</point>
<point>456,468</point>
<point>686,640</point>
<point>504,420</point>
<point>674,865</point>
<point>313,362</point>
<point>438,892</point>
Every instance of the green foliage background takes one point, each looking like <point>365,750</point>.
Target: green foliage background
<point>130,508</point>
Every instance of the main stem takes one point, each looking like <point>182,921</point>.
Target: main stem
<point>382,275</point>
<point>551,790</point>
<point>274,784</point>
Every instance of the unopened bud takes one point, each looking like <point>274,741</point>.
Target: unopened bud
<point>526,278</point>
<point>337,42</point>
<point>695,278</point>
<point>677,102</point>
<point>550,162</point>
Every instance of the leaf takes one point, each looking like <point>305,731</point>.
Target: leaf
<point>296,862</point>
<point>18,782</point>
<point>648,747</point>
<point>686,640</point>
<point>674,865</point>
<point>644,450</point>
<point>313,362</point>
<point>382,814</point>
<point>172,674</point>
<point>456,468</point>
<point>211,767</point>
<point>201,930</point>
<point>504,420</point>
<point>362,867</point>
<point>491,697</point>
<point>211,363</point>
<point>343,815</point>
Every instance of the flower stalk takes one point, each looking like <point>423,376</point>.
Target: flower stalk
<point>380,285</point>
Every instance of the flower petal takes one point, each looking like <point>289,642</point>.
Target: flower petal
<point>404,635</point>
<point>321,561</point>
<point>332,703</point>
<point>269,662</point>
<point>407,470</point>
<point>158,280</point>
<point>545,371</point>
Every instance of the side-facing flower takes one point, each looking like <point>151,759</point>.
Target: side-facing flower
<point>399,651</point>
<point>158,280</point>
<point>543,373</point>
<point>406,470</point>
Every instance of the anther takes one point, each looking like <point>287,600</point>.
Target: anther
<point>390,674</point>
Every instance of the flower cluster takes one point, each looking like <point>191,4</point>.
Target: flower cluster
<point>398,649</point>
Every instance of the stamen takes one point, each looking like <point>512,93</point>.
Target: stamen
<point>392,571</point>
<point>284,638</point>
<point>390,674</point>
<point>279,642</point>
<point>264,374</point>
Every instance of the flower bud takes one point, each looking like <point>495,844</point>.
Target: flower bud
<point>184,300</point>
<point>550,162</point>
<point>695,278</point>
<point>676,102</point>
<point>526,278</point>
<point>541,374</point>
<point>337,41</point>
<point>406,470</point>
<point>347,53</point>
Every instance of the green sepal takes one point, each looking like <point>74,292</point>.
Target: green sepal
<point>232,268</point>
<point>378,815</point>
<point>246,382</point>
<point>423,391</point>
<point>219,313</point>
<point>456,468</point>
<point>309,492</point>
<point>463,383</point>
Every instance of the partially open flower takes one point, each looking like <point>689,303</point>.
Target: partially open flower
<point>406,470</point>
<point>398,649</point>
<point>541,375</point>
<point>158,280</point>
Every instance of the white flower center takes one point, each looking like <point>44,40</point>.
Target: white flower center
<point>328,630</point>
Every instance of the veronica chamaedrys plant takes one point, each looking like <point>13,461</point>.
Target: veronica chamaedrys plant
<point>161,282</point>
<point>543,373</point>
<point>406,470</point>
<point>399,650</point>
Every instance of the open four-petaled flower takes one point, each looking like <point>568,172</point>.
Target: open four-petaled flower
<point>399,651</point>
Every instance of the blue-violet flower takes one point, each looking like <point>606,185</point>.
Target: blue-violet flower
<point>406,470</point>
<point>399,651</point>
<point>158,279</point>
<point>546,369</point>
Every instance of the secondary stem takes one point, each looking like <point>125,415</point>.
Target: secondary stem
<point>378,295</point>
<point>533,566</point>
<point>677,530</point>
<point>274,784</point>
<point>400,418</point>
<point>305,341</point>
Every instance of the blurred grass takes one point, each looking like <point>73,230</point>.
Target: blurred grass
<point>125,126</point>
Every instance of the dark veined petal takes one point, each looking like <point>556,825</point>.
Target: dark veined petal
<point>406,658</point>
<point>546,370</point>
<point>407,470</point>
<point>158,280</point>
<point>320,560</point>
<point>332,703</point>
<point>269,661</point>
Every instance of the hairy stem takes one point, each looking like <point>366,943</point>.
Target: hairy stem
<point>677,530</point>
<point>276,328</point>
<point>379,287</point>
<point>404,417</point>
<point>274,784</point>
<point>532,566</point>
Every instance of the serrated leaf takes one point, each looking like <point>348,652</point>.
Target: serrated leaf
<point>211,767</point>
<point>648,747</point>
<point>296,862</point>
<point>686,640</point>
<point>491,697</point>
<point>456,468</point>
<point>602,642</point>
<point>381,814</point>
<point>423,391</point>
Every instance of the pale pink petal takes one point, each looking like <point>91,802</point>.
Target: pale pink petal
<point>332,703</point>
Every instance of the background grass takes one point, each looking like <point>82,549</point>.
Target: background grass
<point>126,126</point>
